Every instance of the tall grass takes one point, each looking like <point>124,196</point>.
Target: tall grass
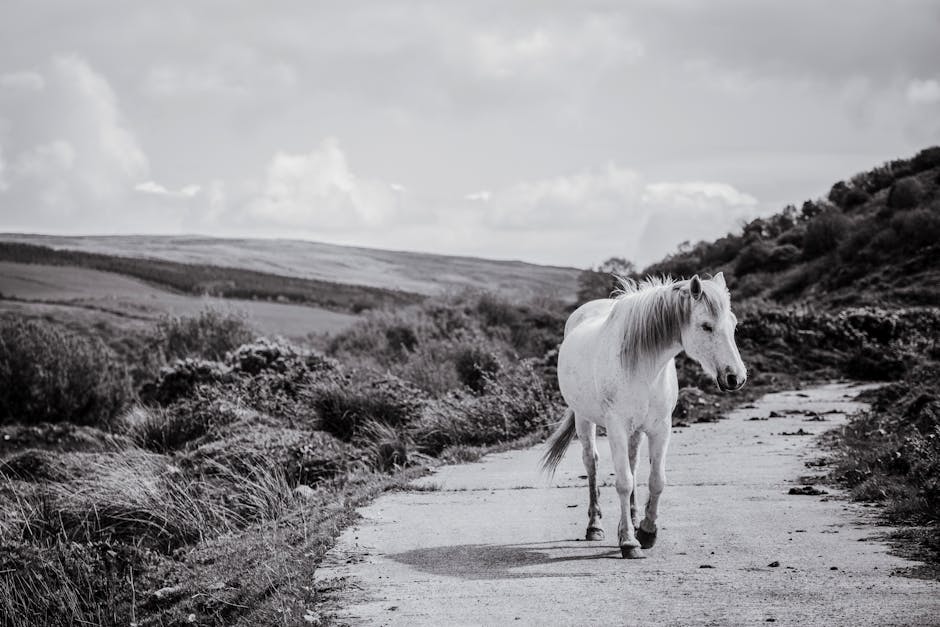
<point>48,374</point>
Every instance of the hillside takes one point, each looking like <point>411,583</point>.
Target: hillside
<point>875,240</point>
<point>84,299</point>
<point>418,273</point>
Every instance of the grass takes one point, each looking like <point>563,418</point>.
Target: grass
<point>418,273</point>
<point>891,455</point>
<point>200,279</point>
<point>267,448</point>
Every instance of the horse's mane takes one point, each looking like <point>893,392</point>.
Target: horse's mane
<point>655,310</point>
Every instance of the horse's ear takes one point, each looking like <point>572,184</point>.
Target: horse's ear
<point>695,288</point>
<point>720,279</point>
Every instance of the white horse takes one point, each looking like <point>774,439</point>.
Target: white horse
<point>616,368</point>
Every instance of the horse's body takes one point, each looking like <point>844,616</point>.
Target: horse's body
<point>616,368</point>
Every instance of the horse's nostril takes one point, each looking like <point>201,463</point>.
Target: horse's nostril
<point>732,381</point>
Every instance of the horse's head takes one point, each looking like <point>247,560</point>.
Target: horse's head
<point>708,338</point>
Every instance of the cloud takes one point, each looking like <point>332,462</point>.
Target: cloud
<point>151,187</point>
<point>26,80</point>
<point>923,92</point>
<point>318,191</point>
<point>68,148</point>
<point>599,212</point>
<point>230,71</point>
<point>481,196</point>
<point>689,211</point>
<point>562,201</point>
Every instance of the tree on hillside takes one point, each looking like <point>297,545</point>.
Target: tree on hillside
<point>599,282</point>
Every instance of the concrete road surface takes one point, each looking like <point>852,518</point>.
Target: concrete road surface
<point>498,544</point>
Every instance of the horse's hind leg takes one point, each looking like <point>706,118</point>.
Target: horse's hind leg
<point>658,442</point>
<point>587,433</point>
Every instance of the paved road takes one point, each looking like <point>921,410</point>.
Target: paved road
<point>499,544</point>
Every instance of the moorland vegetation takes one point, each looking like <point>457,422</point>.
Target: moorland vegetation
<point>198,470</point>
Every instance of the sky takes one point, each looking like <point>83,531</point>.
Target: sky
<point>555,132</point>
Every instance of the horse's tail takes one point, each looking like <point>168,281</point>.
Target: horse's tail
<point>558,443</point>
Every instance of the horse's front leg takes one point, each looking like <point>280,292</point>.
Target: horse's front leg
<point>619,452</point>
<point>658,443</point>
<point>634,450</point>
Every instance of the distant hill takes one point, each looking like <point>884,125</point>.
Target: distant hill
<point>417,273</point>
<point>874,240</point>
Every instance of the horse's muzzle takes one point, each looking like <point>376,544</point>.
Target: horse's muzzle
<point>729,381</point>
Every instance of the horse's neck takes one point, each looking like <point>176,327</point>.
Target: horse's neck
<point>647,365</point>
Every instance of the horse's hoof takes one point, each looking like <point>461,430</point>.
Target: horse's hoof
<point>632,552</point>
<point>647,539</point>
<point>594,533</point>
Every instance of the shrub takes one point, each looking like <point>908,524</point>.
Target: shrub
<point>870,362</point>
<point>386,448</point>
<point>475,366</point>
<point>824,232</point>
<point>892,453</point>
<point>905,194</point>
<point>917,228</point>
<point>516,403</point>
<point>752,258</point>
<point>169,429</point>
<point>848,196</point>
<point>401,338</point>
<point>303,457</point>
<point>180,380</point>
<point>344,405</point>
<point>48,374</point>
<point>209,335</point>
<point>265,355</point>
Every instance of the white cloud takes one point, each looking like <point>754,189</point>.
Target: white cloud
<point>481,196</point>
<point>69,149</point>
<point>600,212</point>
<point>152,187</point>
<point>558,202</point>
<point>231,71</point>
<point>695,195</point>
<point>573,48</point>
<point>26,80</point>
<point>318,190</point>
<point>923,91</point>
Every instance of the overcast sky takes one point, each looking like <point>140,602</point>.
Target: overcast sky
<point>554,132</point>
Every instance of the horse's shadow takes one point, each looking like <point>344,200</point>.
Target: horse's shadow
<point>498,561</point>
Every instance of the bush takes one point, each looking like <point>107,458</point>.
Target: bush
<point>49,375</point>
<point>892,453</point>
<point>344,405</point>
<point>824,232</point>
<point>905,194</point>
<point>209,335</point>
<point>752,258</point>
<point>917,228</point>
<point>276,356</point>
<point>180,380</point>
<point>303,457</point>
<point>164,430</point>
<point>875,363</point>
<point>475,366</point>
<point>516,403</point>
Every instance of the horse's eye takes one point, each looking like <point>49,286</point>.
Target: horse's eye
<point>708,327</point>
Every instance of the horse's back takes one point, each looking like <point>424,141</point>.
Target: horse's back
<point>591,310</point>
